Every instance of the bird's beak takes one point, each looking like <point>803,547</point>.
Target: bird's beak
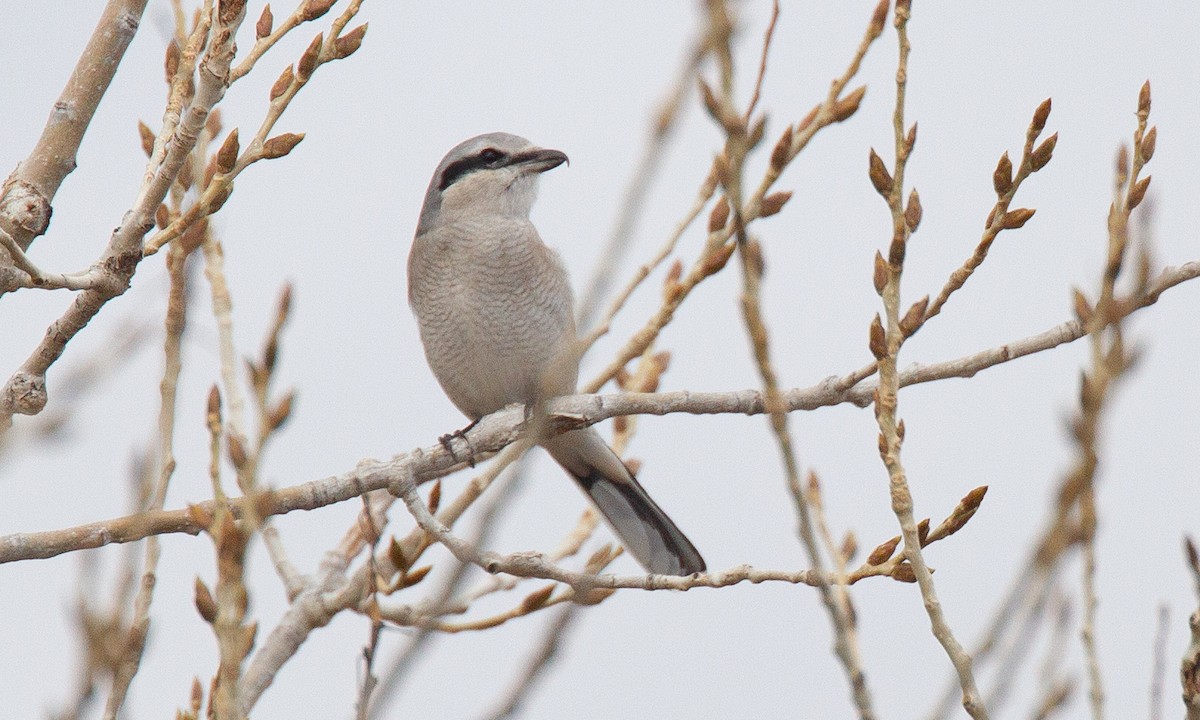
<point>540,160</point>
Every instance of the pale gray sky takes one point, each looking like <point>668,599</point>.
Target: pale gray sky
<point>336,218</point>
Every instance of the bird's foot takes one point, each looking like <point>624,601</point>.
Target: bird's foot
<point>447,440</point>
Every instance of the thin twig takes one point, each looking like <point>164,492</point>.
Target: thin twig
<point>886,340</point>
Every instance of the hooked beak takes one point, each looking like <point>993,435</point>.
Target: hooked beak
<point>540,160</point>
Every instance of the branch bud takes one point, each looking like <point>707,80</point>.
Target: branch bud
<point>1138,192</point>
<point>1002,175</point>
<point>719,215</point>
<point>346,45</point>
<point>1041,156</point>
<point>147,136</point>
<point>774,202</point>
<point>283,83</point>
<point>882,273</point>
<point>913,212</point>
<point>1014,219</point>
<point>1148,144</point>
<point>228,154</point>
<point>782,150</point>
<point>878,172</point>
<point>266,23</point>
<point>281,145</point>
<point>308,61</point>
<point>883,552</point>
<point>1039,118</point>
<point>878,340</point>
<point>845,108</point>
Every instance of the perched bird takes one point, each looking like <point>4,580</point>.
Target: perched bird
<point>496,316</point>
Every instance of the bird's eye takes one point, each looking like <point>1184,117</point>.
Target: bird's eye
<point>491,156</point>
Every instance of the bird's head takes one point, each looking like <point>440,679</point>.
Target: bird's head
<point>493,174</point>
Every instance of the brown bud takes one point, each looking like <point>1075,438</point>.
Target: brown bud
<point>882,273</point>
<point>881,441</point>
<point>900,430</point>
<point>197,698</point>
<point>281,411</point>
<point>228,154</point>
<point>416,575</point>
<point>266,22</point>
<point>171,64</point>
<point>914,317</point>
<point>237,451</point>
<point>308,61</point>
<point>883,552</point>
<point>314,9</point>
<point>878,172</point>
<point>1041,156</point>
<point>347,44</point>
<point>397,557</point>
<point>923,531</point>
<point>1138,192</point>
<point>719,215</point>
<point>1144,98</point>
<point>913,211</point>
<point>716,259</point>
<point>1040,115</point>
<point>1148,144</point>
<point>774,202</point>
<point>536,599</point>
<point>904,573</point>
<point>435,497</point>
<point>283,82</point>
<point>878,341</point>
<point>875,29</point>
<point>205,605</point>
<point>147,136</point>
<point>1122,162</point>
<point>782,150</point>
<point>1002,175</point>
<point>281,145</point>
<point>958,518</point>
<point>219,197</point>
<point>162,216</point>
<point>1014,219</point>
<point>910,140</point>
<point>1083,309</point>
<point>845,108</point>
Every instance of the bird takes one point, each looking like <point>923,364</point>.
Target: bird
<point>495,311</point>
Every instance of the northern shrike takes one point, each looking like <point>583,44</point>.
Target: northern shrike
<point>497,320</point>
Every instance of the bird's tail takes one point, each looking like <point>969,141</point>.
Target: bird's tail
<point>644,529</point>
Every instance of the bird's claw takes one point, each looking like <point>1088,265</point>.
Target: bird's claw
<point>448,439</point>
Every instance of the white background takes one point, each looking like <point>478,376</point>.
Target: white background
<point>336,218</point>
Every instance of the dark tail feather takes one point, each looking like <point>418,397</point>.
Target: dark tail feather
<point>644,529</point>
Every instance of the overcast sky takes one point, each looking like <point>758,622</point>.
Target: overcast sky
<point>336,218</point>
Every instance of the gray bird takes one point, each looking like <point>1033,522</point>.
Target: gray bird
<point>495,312</point>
